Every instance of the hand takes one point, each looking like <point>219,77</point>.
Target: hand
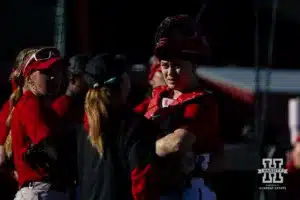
<point>2,155</point>
<point>179,140</point>
<point>296,155</point>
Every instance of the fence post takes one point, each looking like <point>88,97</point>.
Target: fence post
<point>60,27</point>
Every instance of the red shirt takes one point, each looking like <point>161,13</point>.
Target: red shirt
<point>61,105</point>
<point>195,111</point>
<point>70,109</point>
<point>200,118</point>
<point>31,123</point>
<point>142,107</point>
<point>5,110</point>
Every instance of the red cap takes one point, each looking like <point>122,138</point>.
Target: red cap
<point>40,65</point>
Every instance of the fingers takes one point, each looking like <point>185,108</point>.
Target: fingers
<point>159,148</point>
<point>186,139</point>
<point>179,141</point>
<point>168,144</point>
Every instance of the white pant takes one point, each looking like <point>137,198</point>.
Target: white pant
<point>198,191</point>
<point>40,191</point>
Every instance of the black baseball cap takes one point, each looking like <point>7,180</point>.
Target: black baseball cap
<point>105,69</point>
<point>183,25</point>
<point>78,64</point>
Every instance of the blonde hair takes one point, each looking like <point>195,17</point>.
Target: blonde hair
<point>21,55</point>
<point>17,94</point>
<point>96,108</point>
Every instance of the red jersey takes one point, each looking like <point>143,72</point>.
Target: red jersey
<point>31,123</point>
<point>199,117</point>
<point>195,111</point>
<point>60,106</point>
<point>142,107</point>
<point>70,109</point>
<point>5,110</point>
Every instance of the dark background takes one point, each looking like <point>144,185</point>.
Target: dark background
<point>129,26</point>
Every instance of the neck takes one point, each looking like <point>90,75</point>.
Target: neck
<point>193,84</point>
<point>176,94</point>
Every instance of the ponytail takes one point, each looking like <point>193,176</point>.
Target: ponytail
<point>13,100</point>
<point>96,109</point>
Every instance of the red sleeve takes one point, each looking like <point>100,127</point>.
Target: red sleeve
<point>142,158</point>
<point>159,89</point>
<point>143,183</point>
<point>3,117</point>
<point>203,121</point>
<point>142,107</point>
<point>34,121</point>
<point>61,105</point>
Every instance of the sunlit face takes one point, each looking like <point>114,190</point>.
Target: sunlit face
<point>176,73</point>
<point>47,82</point>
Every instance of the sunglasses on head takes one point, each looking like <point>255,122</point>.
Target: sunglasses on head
<point>42,54</point>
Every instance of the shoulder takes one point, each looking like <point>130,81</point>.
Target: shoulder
<point>142,107</point>
<point>159,90</point>
<point>199,102</point>
<point>140,125</point>
<point>32,102</point>
<point>27,107</point>
<point>5,111</point>
<point>5,107</point>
